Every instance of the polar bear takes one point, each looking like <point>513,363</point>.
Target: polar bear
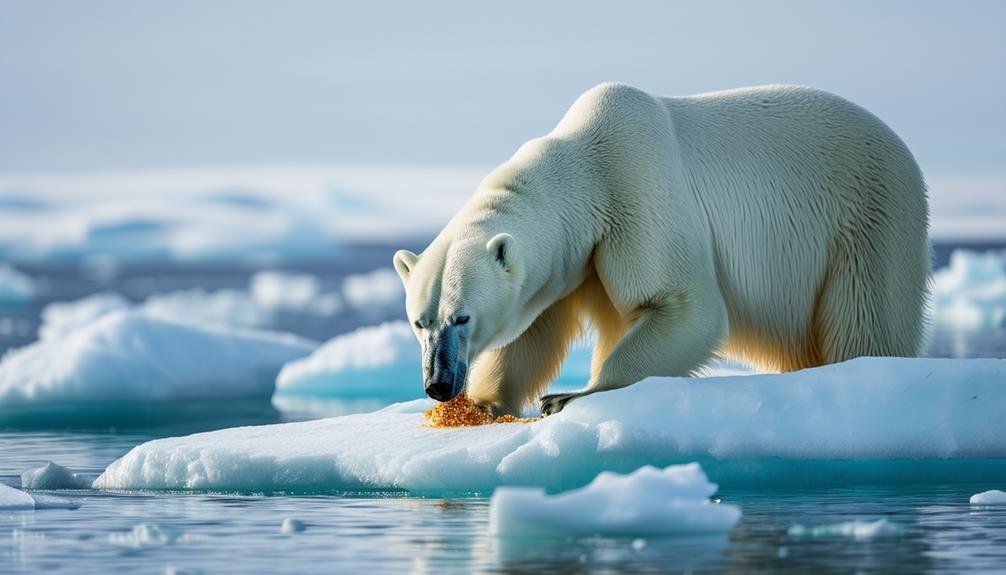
<point>781,226</point>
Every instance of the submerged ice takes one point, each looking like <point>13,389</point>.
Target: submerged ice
<point>869,420</point>
<point>648,501</point>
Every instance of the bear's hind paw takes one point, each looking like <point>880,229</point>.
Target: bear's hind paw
<point>552,404</point>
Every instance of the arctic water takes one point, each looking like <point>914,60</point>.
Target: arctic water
<point>926,528</point>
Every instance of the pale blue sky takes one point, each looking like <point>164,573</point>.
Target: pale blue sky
<point>107,85</point>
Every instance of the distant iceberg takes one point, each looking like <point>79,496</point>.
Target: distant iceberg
<point>16,288</point>
<point>970,293</point>
<point>126,358</point>
<point>374,291</point>
<point>16,500</point>
<point>991,497</point>
<point>648,501</point>
<point>865,421</point>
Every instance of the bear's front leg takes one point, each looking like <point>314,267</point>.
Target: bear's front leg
<point>673,336</point>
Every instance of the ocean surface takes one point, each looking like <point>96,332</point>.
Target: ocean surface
<point>928,528</point>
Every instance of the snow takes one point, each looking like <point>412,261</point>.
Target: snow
<point>374,291</point>
<point>16,288</point>
<point>865,421</point>
<point>224,307</point>
<point>857,530</point>
<point>16,500</point>
<point>970,293</point>
<point>127,357</point>
<point>62,318</point>
<point>648,501</point>
<point>52,476</point>
<point>992,497</point>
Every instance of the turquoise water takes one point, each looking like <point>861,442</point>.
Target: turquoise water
<point>934,528</point>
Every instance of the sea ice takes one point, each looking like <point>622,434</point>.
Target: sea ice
<point>374,291</point>
<point>61,318</point>
<point>127,357</point>
<point>284,290</point>
<point>992,497</point>
<point>148,535</point>
<point>970,293</point>
<point>52,476</point>
<point>16,500</point>
<point>648,501</point>
<point>858,530</point>
<point>865,421</point>
<point>224,307</point>
<point>16,288</point>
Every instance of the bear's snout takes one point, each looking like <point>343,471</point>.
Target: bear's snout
<point>441,390</point>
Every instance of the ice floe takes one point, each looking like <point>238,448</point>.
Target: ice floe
<point>127,357</point>
<point>16,500</point>
<point>62,318</point>
<point>374,291</point>
<point>865,421</point>
<point>298,292</point>
<point>970,293</point>
<point>16,288</point>
<point>53,476</point>
<point>857,530</point>
<point>648,501</point>
<point>991,497</point>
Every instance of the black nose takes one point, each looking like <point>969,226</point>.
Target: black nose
<point>440,391</point>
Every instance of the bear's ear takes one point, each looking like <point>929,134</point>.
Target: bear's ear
<point>503,248</point>
<point>405,261</point>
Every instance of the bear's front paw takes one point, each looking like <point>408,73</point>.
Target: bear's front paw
<point>554,403</point>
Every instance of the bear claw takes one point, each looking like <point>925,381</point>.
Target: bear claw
<point>552,404</point>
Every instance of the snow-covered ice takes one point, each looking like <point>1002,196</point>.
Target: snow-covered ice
<point>991,497</point>
<point>380,361</point>
<point>970,293</point>
<point>869,420</point>
<point>53,476</point>
<point>62,318</point>
<point>299,292</point>
<point>374,291</point>
<point>127,357</point>
<point>648,501</point>
<point>857,530</point>
<point>224,307</point>
<point>16,288</point>
<point>16,500</point>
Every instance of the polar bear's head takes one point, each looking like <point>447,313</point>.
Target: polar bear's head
<point>461,298</point>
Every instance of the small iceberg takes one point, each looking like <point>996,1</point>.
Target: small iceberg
<point>857,530</point>
<point>16,500</point>
<point>61,318</point>
<point>292,292</point>
<point>647,502</point>
<point>53,476</point>
<point>127,358</point>
<point>864,421</point>
<point>374,291</point>
<point>16,288</point>
<point>992,497</point>
<point>970,293</point>
<point>148,535</point>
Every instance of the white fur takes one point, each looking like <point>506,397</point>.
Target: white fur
<point>778,225</point>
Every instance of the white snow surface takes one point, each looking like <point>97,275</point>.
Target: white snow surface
<point>279,290</point>
<point>128,356</point>
<point>648,501</point>
<point>991,497</point>
<point>869,420</point>
<point>16,288</point>
<point>970,293</point>
<point>59,319</point>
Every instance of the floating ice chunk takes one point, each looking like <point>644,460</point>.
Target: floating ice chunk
<point>374,291</point>
<point>858,530</point>
<point>380,361</point>
<point>225,307</point>
<point>970,293</point>
<point>16,500</point>
<point>52,476</point>
<point>16,288</point>
<point>992,497</point>
<point>61,318</point>
<point>865,421</point>
<point>283,290</point>
<point>291,525</point>
<point>148,535</point>
<point>648,501</point>
<point>127,357</point>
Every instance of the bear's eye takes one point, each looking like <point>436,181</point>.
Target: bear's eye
<point>461,320</point>
<point>418,324</point>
